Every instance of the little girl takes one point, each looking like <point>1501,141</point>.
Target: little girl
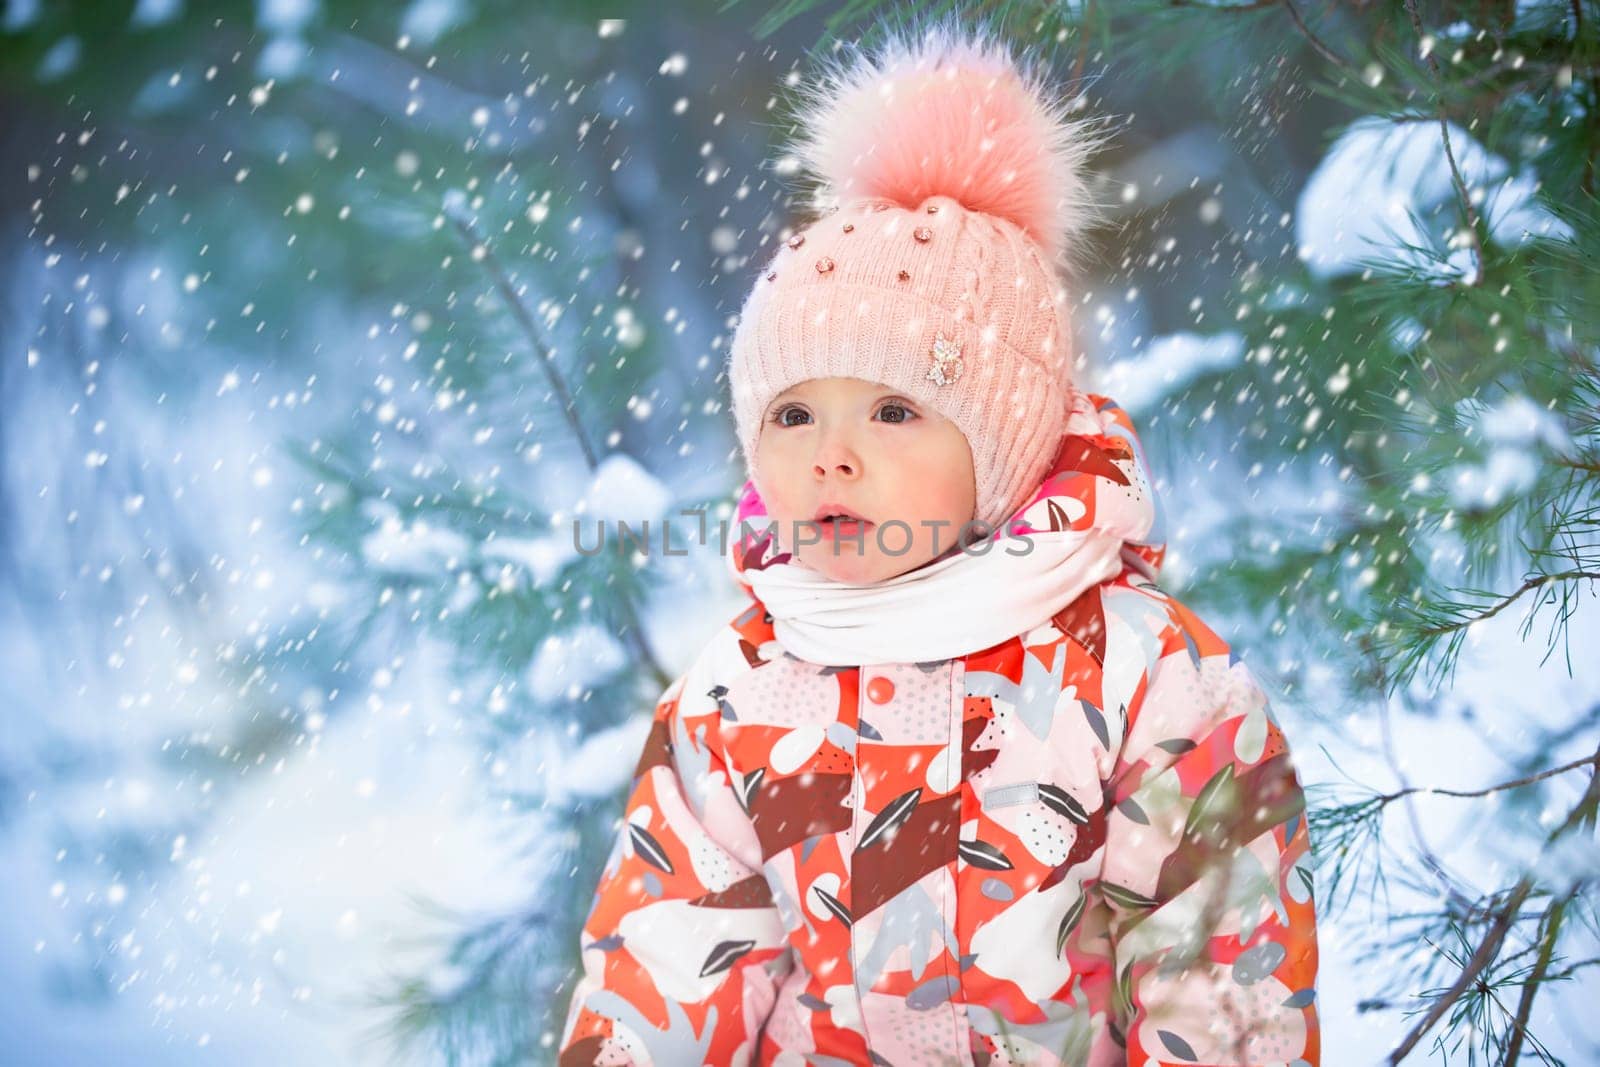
<point>961,784</point>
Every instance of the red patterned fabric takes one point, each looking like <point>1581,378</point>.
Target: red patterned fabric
<point>1085,845</point>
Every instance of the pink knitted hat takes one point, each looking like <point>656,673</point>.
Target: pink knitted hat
<point>954,200</point>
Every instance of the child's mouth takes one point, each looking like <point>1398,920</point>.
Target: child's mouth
<point>842,526</point>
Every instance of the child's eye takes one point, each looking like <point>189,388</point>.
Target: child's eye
<point>780,416</point>
<point>906,414</point>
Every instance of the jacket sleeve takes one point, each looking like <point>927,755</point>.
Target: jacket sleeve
<point>1206,872</point>
<point>681,944</point>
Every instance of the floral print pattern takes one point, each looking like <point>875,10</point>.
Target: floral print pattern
<point>1085,845</point>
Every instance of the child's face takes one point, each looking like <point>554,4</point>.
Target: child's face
<point>844,443</point>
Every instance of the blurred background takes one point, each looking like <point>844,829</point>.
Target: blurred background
<point>320,322</point>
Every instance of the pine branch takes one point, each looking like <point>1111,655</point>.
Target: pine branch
<point>1568,972</point>
<point>1503,919</point>
<point>633,628</point>
<point>1482,958</point>
<point>1474,224</point>
<point>1587,182</point>
<point>1249,5</point>
<point>1587,761</point>
<point>1530,987</point>
<point>1355,826</point>
<point>455,212</point>
<point>1506,601</point>
<point>1448,622</point>
<point>1321,49</point>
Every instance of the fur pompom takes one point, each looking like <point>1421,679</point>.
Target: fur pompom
<point>944,109</point>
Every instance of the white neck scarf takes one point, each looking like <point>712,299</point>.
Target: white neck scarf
<point>961,604</point>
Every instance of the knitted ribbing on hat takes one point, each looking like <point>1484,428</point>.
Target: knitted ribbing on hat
<point>954,203</point>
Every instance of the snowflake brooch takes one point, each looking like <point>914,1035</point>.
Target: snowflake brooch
<point>946,361</point>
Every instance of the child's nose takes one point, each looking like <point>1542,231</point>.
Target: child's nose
<point>835,457</point>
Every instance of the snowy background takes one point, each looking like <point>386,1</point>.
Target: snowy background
<point>265,734</point>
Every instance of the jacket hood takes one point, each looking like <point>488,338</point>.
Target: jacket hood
<point>1099,478</point>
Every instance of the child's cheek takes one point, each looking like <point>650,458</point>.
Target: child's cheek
<point>949,491</point>
<point>775,482</point>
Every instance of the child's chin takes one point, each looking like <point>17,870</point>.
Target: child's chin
<point>847,567</point>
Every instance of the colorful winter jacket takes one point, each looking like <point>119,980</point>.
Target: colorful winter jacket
<point>1085,845</point>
